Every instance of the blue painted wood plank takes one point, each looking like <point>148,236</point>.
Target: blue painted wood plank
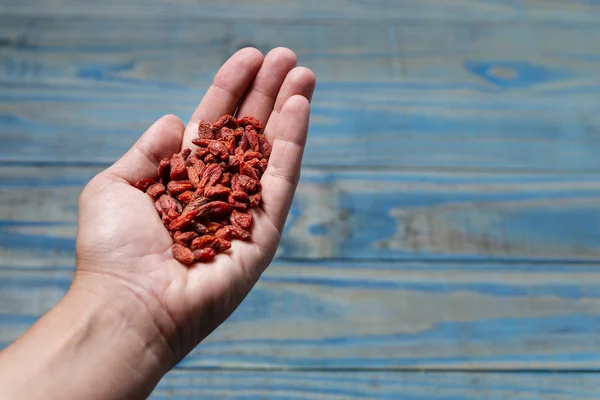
<point>375,385</point>
<point>311,10</point>
<point>376,215</point>
<point>413,95</point>
<point>359,315</point>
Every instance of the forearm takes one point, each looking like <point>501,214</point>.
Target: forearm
<point>85,347</point>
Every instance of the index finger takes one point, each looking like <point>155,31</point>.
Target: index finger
<point>229,85</point>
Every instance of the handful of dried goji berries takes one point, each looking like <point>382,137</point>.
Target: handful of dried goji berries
<point>204,199</point>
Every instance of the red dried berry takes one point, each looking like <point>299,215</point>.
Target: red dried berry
<point>144,184</point>
<point>226,179</point>
<point>217,191</point>
<point>164,168</point>
<point>175,188</point>
<point>205,131</point>
<point>218,150</point>
<point>226,120</point>
<point>156,190</point>
<point>210,175</point>
<point>210,159</point>
<point>187,196</point>
<point>201,142</point>
<point>252,137</point>
<point>205,255</point>
<point>240,219</point>
<point>184,238</point>
<point>265,146</point>
<point>178,168</point>
<point>229,232</point>
<point>183,254</point>
<point>250,121</point>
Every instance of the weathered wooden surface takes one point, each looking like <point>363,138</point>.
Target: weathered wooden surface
<point>527,11</point>
<point>383,385</point>
<point>400,315</point>
<point>448,213</point>
<point>375,215</point>
<point>408,95</point>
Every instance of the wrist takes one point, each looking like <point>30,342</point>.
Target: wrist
<point>93,344</point>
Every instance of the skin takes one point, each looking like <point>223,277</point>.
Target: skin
<point>133,311</point>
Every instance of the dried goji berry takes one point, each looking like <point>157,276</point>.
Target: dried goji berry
<point>178,168</point>
<point>250,121</point>
<point>252,137</point>
<point>217,191</point>
<point>184,238</point>
<point>265,146</point>
<point>194,172</point>
<point>226,179</point>
<point>226,120</point>
<point>164,168</point>
<point>241,219</point>
<point>240,196</point>
<point>175,188</point>
<point>218,150</point>
<point>245,183</point>
<point>156,190</point>
<point>203,242</point>
<point>185,153</point>
<point>201,142</point>
<point>183,254</point>
<point>249,155</point>
<point>246,169</point>
<point>212,227</point>
<point>210,159</point>
<point>229,232</point>
<point>210,175</point>
<point>205,131</point>
<point>205,255</point>
<point>187,196</point>
<point>144,184</point>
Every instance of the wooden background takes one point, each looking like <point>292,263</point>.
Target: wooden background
<point>445,239</point>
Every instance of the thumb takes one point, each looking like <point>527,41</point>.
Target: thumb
<point>161,140</point>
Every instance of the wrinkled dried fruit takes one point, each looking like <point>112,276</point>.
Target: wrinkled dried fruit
<point>205,131</point>
<point>144,184</point>
<point>156,190</point>
<point>183,254</point>
<point>205,255</point>
<point>218,150</point>
<point>250,121</point>
<point>241,219</point>
<point>203,199</point>
<point>265,146</point>
<point>218,191</point>
<point>187,196</point>
<point>184,238</point>
<point>178,168</point>
<point>226,120</point>
<point>164,168</point>
<point>178,187</point>
<point>210,175</point>
<point>229,232</point>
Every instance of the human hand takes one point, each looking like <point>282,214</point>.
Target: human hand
<point>124,251</point>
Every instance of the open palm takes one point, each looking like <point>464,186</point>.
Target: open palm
<point>122,246</point>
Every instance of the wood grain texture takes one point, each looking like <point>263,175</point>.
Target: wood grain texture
<point>383,385</point>
<point>413,95</point>
<point>401,315</point>
<point>376,215</point>
<point>311,10</point>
